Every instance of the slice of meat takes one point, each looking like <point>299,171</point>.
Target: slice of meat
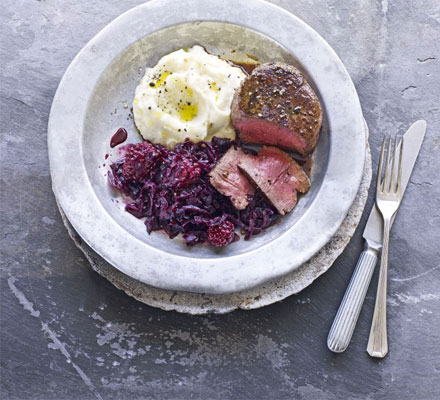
<point>229,181</point>
<point>277,175</point>
<point>276,106</point>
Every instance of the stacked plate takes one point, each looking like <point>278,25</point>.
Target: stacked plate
<point>94,99</point>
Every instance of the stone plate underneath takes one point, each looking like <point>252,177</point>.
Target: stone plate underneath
<point>260,296</point>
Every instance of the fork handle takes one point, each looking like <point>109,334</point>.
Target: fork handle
<point>348,313</point>
<point>378,341</point>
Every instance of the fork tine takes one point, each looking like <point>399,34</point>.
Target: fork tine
<point>387,179</point>
<point>399,174</point>
<point>379,169</point>
<point>393,184</point>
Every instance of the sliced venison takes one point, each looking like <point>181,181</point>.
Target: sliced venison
<point>277,175</point>
<point>229,181</point>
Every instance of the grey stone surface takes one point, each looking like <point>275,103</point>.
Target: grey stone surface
<point>67,333</point>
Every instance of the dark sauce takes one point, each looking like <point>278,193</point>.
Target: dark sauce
<point>306,164</point>
<point>119,137</point>
<point>307,167</point>
<point>246,67</point>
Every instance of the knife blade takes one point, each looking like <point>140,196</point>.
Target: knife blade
<point>348,313</point>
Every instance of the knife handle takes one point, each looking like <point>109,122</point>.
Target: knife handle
<point>345,321</point>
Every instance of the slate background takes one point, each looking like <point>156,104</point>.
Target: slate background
<point>67,333</point>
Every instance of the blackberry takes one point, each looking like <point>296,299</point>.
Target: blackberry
<point>140,159</point>
<point>221,234</point>
<point>182,173</point>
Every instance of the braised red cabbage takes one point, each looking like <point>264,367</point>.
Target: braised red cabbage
<point>171,190</point>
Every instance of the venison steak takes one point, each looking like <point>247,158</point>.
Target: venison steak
<point>276,106</point>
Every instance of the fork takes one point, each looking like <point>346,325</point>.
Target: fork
<point>388,197</point>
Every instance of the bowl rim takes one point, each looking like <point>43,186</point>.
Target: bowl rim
<point>155,266</point>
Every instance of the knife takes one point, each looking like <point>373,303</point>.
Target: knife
<point>346,318</point>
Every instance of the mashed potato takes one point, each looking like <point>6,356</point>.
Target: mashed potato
<point>188,94</point>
